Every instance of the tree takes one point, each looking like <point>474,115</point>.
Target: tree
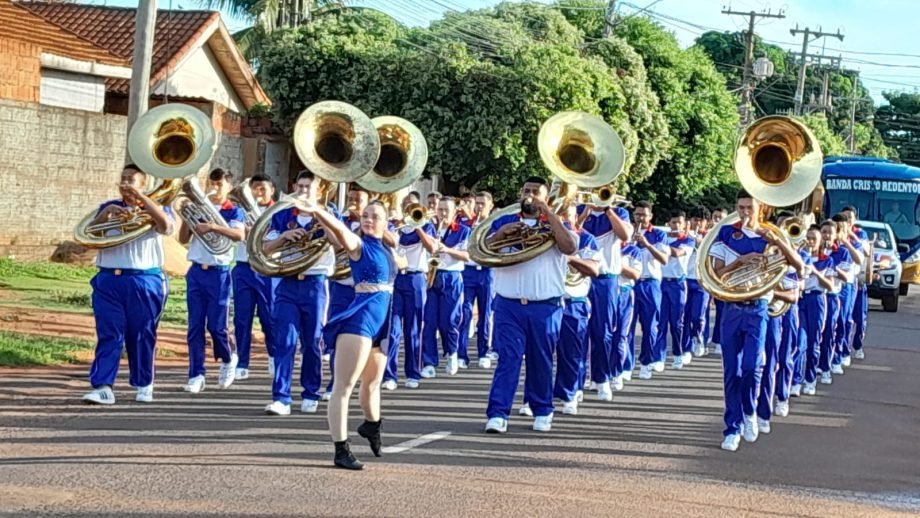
<point>899,123</point>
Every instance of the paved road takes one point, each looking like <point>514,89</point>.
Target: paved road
<point>851,450</point>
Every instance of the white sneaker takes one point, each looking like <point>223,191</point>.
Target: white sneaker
<point>492,355</point>
<point>837,369</point>
<point>327,358</point>
<point>782,408</point>
<point>809,389</point>
<point>627,376</point>
<point>271,367</point>
<point>429,372</point>
<point>645,372</point>
<point>677,363</point>
<point>859,355</point>
<point>100,396</point>
<point>389,385</point>
<point>795,391</point>
<point>699,349</point>
<point>543,423</point>
<point>687,358</point>
<point>452,365</point>
<point>658,366</point>
<point>763,426</point>
<point>592,386</point>
<point>242,374</point>
<point>144,394</point>
<point>278,408</point>
<point>617,383</point>
<point>309,406</point>
<point>228,372</point>
<point>525,410</point>
<point>826,378</point>
<point>411,383</point>
<point>731,442</point>
<point>603,392</point>
<point>846,361</point>
<point>463,364</point>
<point>327,396</point>
<point>497,425</point>
<point>485,363</point>
<point>570,407</point>
<point>194,385</point>
<point>717,349</point>
<point>579,396</point>
<point>749,428</point>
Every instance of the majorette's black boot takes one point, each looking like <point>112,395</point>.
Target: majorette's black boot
<point>344,458</point>
<point>370,430</point>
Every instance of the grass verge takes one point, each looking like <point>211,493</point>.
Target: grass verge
<point>18,350</point>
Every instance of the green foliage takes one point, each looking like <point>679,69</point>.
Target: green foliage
<point>898,121</point>
<point>831,144</point>
<point>25,350</point>
<point>10,268</point>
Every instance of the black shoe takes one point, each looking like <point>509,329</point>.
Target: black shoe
<point>370,430</point>
<point>345,459</point>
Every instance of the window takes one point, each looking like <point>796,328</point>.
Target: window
<point>859,199</point>
<point>901,211</point>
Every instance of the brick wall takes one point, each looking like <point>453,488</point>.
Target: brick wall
<point>20,78</point>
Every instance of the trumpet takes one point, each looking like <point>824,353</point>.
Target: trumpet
<point>434,262</point>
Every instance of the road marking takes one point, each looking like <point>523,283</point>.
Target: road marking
<point>415,443</point>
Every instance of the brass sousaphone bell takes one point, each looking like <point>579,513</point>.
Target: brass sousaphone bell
<point>778,161</point>
<point>169,142</point>
<point>582,151</point>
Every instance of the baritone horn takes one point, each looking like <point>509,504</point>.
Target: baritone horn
<point>777,160</point>
<point>168,142</point>
<point>581,151</point>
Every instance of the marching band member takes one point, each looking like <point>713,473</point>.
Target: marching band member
<point>528,312</point>
<point>477,287</point>
<point>129,293</point>
<point>299,304</point>
<point>846,239</point>
<point>842,264</point>
<point>860,240</point>
<point>465,209</point>
<point>744,323</point>
<point>717,216</point>
<point>696,314</point>
<point>819,281</point>
<point>409,292</point>
<point>208,287</point>
<point>360,332</point>
<point>625,340</point>
<point>433,199</point>
<point>674,291</point>
<point>252,291</point>
<point>445,296</point>
<point>611,227</point>
<point>652,243</point>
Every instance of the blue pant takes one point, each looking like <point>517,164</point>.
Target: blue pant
<point>788,348</point>
<point>860,317</point>
<point>673,304</point>
<point>409,292</point>
<point>573,341</point>
<point>696,315</point>
<point>768,377</point>
<point>443,311</point>
<point>127,309</point>
<point>844,324</point>
<point>814,318</point>
<point>208,297</point>
<point>630,362</point>
<point>717,323</point>
<point>252,293</point>
<point>602,325</point>
<point>477,287</point>
<point>828,337</point>
<point>340,297</point>
<point>622,360</point>
<point>532,329</point>
<point>300,309</point>
<point>648,304</point>
<point>743,333</point>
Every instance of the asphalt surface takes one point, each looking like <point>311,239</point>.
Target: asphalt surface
<point>852,450</point>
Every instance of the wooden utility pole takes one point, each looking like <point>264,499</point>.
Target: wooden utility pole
<point>139,93</point>
<point>806,33</point>
<point>608,18</point>
<point>824,103</point>
<point>853,100</point>
<point>747,81</point>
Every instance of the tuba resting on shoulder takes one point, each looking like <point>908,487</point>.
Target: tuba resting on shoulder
<point>168,142</point>
<point>582,151</point>
<point>778,161</point>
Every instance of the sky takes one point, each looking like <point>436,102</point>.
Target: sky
<point>879,38</point>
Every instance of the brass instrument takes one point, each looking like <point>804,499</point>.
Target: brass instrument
<point>168,142</point>
<point>777,160</point>
<point>194,207</point>
<point>796,229</point>
<point>415,216</point>
<point>336,141</point>
<point>434,262</point>
<point>582,152</point>
<point>242,196</point>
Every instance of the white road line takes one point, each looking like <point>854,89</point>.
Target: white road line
<point>415,443</point>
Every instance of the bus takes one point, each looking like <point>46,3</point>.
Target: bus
<point>883,191</point>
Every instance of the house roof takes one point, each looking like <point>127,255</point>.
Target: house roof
<point>22,25</point>
<point>177,33</point>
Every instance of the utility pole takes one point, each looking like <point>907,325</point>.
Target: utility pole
<point>853,99</point>
<point>824,104</point>
<point>800,90</point>
<point>139,93</point>
<point>608,18</point>
<point>747,83</point>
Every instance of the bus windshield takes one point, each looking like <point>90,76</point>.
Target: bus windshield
<point>899,209</point>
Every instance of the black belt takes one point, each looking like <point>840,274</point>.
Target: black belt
<point>553,301</point>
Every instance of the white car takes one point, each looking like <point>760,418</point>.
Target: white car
<point>887,283</point>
